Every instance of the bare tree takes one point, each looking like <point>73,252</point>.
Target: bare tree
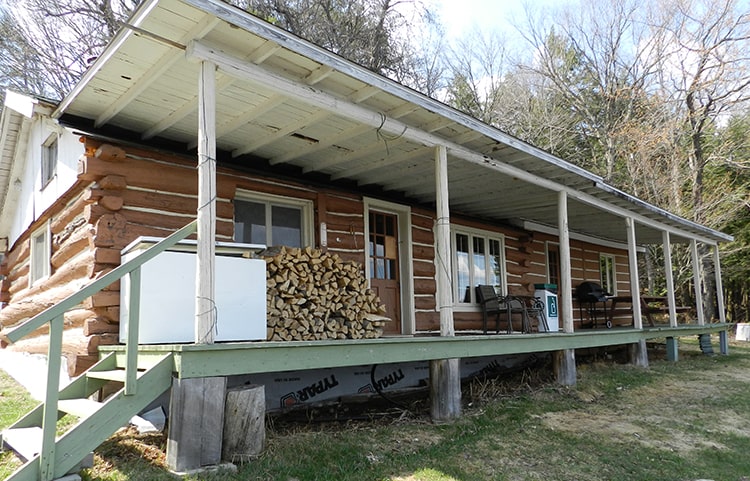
<point>47,45</point>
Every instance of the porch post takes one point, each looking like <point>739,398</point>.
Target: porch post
<point>723,335</point>
<point>669,276</point>
<point>638,350</point>
<point>445,377</point>
<point>635,287</point>
<point>197,405</point>
<point>205,309</point>
<point>697,282</point>
<point>564,362</point>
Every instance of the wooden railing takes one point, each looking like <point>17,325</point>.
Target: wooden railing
<point>55,317</point>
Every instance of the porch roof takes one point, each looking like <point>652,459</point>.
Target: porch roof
<point>282,100</point>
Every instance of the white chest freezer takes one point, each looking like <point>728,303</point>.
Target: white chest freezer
<point>167,293</point>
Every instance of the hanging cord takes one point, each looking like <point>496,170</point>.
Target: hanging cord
<point>384,137</point>
<point>382,394</point>
<point>213,311</point>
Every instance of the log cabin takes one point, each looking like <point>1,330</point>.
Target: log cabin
<point>373,211</point>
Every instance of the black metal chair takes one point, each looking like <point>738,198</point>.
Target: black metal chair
<point>491,303</point>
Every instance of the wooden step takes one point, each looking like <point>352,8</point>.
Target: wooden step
<point>82,408</point>
<point>117,375</point>
<point>26,442</point>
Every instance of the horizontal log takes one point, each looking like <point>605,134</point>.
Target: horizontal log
<point>424,286</point>
<point>146,174</point>
<point>425,221</point>
<point>423,269</point>
<point>96,340</point>
<point>422,236</point>
<point>67,215</point>
<point>110,153</point>
<point>344,205</point>
<point>72,246</point>
<point>424,302</point>
<point>169,202</point>
<point>270,186</point>
<point>166,221</point>
<point>423,252</point>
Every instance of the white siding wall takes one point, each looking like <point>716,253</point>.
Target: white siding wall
<point>32,199</point>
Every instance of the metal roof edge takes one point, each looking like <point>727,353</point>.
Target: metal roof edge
<point>718,235</point>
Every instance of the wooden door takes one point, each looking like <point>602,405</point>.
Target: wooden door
<point>385,267</point>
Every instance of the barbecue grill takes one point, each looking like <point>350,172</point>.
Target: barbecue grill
<point>588,295</point>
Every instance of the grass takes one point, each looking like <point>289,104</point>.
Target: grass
<point>674,421</point>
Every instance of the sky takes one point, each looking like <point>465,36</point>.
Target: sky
<point>461,16</point>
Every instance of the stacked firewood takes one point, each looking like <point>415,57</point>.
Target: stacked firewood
<point>315,295</point>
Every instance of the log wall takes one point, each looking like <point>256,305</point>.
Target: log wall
<point>127,192</point>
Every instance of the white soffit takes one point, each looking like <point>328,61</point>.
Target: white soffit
<point>146,83</point>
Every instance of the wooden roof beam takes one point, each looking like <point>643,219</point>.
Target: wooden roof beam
<point>162,65</point>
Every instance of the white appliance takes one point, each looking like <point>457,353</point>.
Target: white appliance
<point>167,293</point>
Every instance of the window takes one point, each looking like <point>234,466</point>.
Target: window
<point>607,273</point>
<point>553,264</point>
<point>40,255</point>
<point>271,221</point>
<point>477,259</point>
<point>49,159</point>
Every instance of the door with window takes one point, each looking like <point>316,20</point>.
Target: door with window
<point>385,267</point>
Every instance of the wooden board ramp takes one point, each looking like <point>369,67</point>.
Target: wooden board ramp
<point>97,420</point>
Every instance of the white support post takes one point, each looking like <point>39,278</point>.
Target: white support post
<point>669,276</point>
<point>445,376</point>
<point>697,282</point>
<point>719,286</point>
<point>635,288</point>
<point>442,241</point>
<point>205,308</point>
<point>638,350</point>
<point>566,281</point>
<point>564,362</point>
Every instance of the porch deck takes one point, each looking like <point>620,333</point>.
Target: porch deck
<point>226,359</point>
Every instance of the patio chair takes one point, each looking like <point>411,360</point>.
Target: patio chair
<point>491,303</point>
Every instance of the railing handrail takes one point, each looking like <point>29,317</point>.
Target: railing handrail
<point>19,332</point>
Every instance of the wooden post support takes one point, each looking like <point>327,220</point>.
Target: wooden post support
<point>196,422</point>
<point>445,376</point>
<point>445,390</point>
<point>672,347</point>
<point>244,423</point>
<point>639,354</point>
<point>564,362</point>
<point>564,366</point>
<point>724,342</point>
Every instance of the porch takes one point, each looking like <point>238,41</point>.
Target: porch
<point>236,358</point>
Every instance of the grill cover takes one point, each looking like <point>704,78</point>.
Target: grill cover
<point>591,292</point>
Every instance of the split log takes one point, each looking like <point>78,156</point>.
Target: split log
<point>318,295</point>
<point>244,423</point>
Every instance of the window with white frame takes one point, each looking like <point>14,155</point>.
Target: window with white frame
<point>272,220</point>
<point>40,255</point>
<point>607,273</point>
<point>478,258</point>
<point>49,159</point>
